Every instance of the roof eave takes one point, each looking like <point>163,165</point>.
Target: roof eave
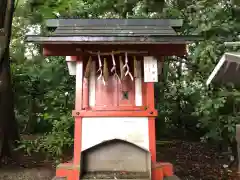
<point>112,40</point>
<point>229,57</point>
<point>232,43</point>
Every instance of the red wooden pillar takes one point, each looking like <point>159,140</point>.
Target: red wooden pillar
<point>78,121</point>
<point>151,120</point>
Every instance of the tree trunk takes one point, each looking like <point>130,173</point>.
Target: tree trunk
<point>8,124</point>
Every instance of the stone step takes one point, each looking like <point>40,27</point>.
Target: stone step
<point>171,178</point>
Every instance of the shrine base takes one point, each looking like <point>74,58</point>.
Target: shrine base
<point>69,171</point>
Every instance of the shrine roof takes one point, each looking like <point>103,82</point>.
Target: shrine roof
<point>227,70</point>
<point>113,31</point>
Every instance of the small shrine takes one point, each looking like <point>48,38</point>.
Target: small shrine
<point>227,70</point>
<point>116,63</point>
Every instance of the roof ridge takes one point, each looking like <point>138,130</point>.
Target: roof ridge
<point>107,22</point>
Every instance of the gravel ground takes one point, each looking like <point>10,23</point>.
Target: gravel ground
<point>196,161</point>
<point>27,174</point>
<point>191,160</point>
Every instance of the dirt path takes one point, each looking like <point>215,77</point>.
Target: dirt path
<point>27,174</point>
<point>195,161</point>
<point>191,160</point>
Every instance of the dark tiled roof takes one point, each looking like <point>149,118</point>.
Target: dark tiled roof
<point>113,27</point>
<point>115,31</point>
<point>127,31</point>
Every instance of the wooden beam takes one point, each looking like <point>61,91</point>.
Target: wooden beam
<point>75,49</point>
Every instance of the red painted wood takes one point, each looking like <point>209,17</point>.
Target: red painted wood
<point>76,49</point>
<point>77,141</point>
<point>74,58</point>
<point>91,113</point>
<point>129,86</point>
<point>157,174</point>
<point>118,108</point>
<point>167,169</point>
<point>150,95</point>
<point>111,95</point>
<point>151,120</point>
<point>71,176</point>
<point>144,93</point>
<point>62,172</point>
<point>106,95</point>
<point>161,169</point>
<point>75,175</point>
<point>152,138</point>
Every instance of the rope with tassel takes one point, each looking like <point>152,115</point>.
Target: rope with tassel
<point>105,70</point>
<point>124,68</point>
<point>136,74</point>
<point>88,68</point>
<point>114,69</point>
<point>100,77</point>
<point>122,77</point>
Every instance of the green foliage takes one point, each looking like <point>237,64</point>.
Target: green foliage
<point>59,140</point>
<point>184,102</point>
<point>54,143</point>
<point>46,99</point>
<point>220,114</point>
<point>44,106</point>
<point>44,94</point>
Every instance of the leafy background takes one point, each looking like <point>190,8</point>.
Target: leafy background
<point>44,92</point>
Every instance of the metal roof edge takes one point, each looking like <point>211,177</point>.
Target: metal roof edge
<point>87,22</point>
<point>215,70</point>
<point>237,43</point>
<point>181,36</point>
<point>172,39</point>
<point>237,54</point>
